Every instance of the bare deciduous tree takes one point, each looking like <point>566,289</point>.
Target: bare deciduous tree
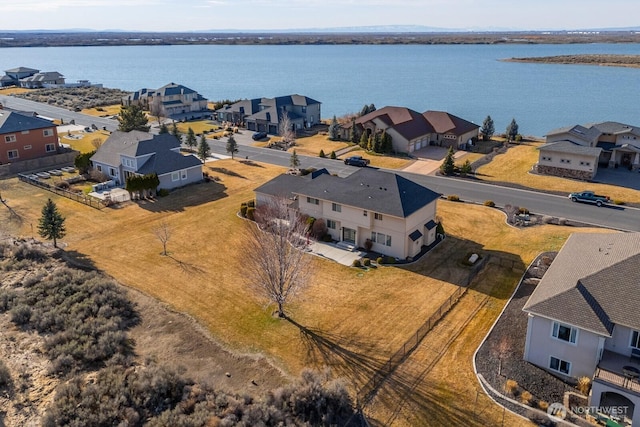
<point>277,267</point>
<point>163,233</point>
<point>96,142</point>
<point>287,132</point>
<point>156,108</point>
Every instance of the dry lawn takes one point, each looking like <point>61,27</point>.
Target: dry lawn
<point>515,164</point>
<point>12,90</point>
<point>84,143</point>
<point>349,319</point>
<point>379,160</point>
<point>311,145</point>
<point>103,111</point>
<point>198,126</point>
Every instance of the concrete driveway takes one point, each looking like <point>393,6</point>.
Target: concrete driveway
<point>331,251</point>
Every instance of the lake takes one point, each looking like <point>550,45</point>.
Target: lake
<point>466,80</point>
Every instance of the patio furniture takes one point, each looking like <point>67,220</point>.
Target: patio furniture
<point>631,372</point>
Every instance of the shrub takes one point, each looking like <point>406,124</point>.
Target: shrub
<point>356,263</point>
<point>510,386</point>
<point>489,203</point>
<point>163,192</point>
<point>562,221</point>
<point>543,405</point>
<point>333,155</point>
<point>243,210</point>
<point>523,211</point>
<point>368,244</point>
<point>251,203</point>
<point>526,397</point>
<point>389,260</point>
<point>453,198</point>
<point>327,238</point>
<point>380,260</point>
<point>21,314</point>
<point>321,154</point>
<point>618,202</point>
<point>319,228</point>
<point>366,262</point>
<point>5,376</point>
<point>63,185</point>
<point>584,385</point>
<point>251,213</point>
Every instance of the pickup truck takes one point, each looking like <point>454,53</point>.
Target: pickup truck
<point>589,197</point>
<point>356,161</point>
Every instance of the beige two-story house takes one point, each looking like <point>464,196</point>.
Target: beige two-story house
<point>395,214</point>
<point>175,101</point>
<point>303,112</point>
<point>584,318</point>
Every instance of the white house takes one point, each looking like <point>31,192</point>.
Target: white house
<point>396,214</point>
<point>584,318</point>
<point>175,100</point>
<point>140,153</point>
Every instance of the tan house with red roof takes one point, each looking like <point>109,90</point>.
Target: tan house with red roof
<point>411,131</point>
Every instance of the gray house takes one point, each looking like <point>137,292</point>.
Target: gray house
<point>139,153</point>
<point>303,113</point>
<point>12,77</point>
<point>584,318</point>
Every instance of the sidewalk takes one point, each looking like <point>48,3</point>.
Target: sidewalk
<point>331,251</point>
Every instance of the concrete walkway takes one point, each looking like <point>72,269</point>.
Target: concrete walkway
<point>331,251</point>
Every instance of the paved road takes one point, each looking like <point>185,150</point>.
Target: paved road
<point>617,217</point>
<point>53,112</point>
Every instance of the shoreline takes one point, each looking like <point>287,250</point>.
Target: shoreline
<point>603,60</point>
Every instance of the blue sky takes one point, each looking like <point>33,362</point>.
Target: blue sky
<point>194,15</point>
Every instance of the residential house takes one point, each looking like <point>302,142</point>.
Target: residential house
<point>176,101</point>
<point>411,131</point>
<point>13,76</point>
<point>43,79</point>
<point>302,111</point>
<point>24,136</point>
<point>396,214</point>
<point>577,151</point>
<point>139,153</point>
<point>237,112</point>
<point>583,317</point>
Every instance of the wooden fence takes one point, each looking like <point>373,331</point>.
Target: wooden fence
<point>368,391</point>
<point>94,202</point>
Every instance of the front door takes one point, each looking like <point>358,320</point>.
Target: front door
<point>349,235</point>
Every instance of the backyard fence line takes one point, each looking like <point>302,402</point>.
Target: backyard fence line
<point>82,198</point>
<point>368,391</point>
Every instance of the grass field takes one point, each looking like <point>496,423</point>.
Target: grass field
<point>198,126</point>
<point>379,160</point>
<point>348,319</point>
<point>311,145</point>
<point>12,90</point>
<point>515,164</point>
<point>105,110</point>
<point>83,141</point>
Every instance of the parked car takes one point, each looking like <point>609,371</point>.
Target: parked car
<point>589,197</point>
<point>356,161</point>
<point>258,136</point>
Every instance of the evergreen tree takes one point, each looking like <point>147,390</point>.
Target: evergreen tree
<point>333,155</point>
<point>488,129</point>
<point>372,108</point>
<point>387,143</point>
<point>51,224</point>
<point>334,129</point>
<point>364,111</point>
<point>232,145</point>
<point>294,161</point>
<point>191,139</point>
<point>466,168</point>
<point>203,149</point>
<point>448,166</point>
<point>132,118</point>
<point>175,132</point>
<point>354,135</point>
<point>321,154</point>
<point>512,130</point>
<point>364,140</point>
<point>164,128</point>
<point>377,143</point>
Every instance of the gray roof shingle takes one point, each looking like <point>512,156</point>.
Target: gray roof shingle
<point>13,121</point>
<point>594,283</point>
<point>571,147</point>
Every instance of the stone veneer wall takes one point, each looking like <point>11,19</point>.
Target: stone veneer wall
<point>564,173</point>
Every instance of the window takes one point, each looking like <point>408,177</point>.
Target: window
<point>112,172</point>
<point>99,168</point>
<point>635,339</point>
<point>12,154</point>
<point>47,132</point>
<point>559,365</point>
<point>50,148</point>
<point>564,332</point>
<point>175,176</point>
<point>546,159</point>
<point>27,147</point>
<point>331,224</point>
<point>336,207</point>
<point>313,201</point>
<point>365,213</point>
<point>377,216</point>
<point>565,161</point>
<point>9,138</point>
<point>585,163</point>
<point>183,174</point>
<point>380,238</point>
